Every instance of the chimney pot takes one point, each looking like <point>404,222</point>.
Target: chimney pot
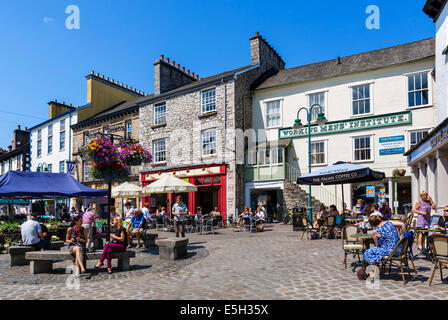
<point>339,60</point>
<point>168,60</point>
<point>173,63</point>
<point>162,57</point>
<point>18,127</point>
<point>97,74</point>
<point>183,69</point>
<point>63,102</point>
<point>92,72</point>
<point>188,72</point>
<point>192,74</point>
<point>257,33</point>
<point>178,66</point>
<point>107,78</point>
<point>197,77</point>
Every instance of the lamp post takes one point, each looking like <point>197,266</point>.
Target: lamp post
<point>298,125</point>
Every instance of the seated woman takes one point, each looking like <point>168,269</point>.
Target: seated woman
<point>385,236</point>
<point>259,216</point>
<point>335,213</point>
<point>77,239</point>
<point>118,243</point>
<point>320,217</point>
<point>240,220</point>
<point>385,209</point>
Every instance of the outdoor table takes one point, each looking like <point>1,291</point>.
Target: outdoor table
<point>366,238</point>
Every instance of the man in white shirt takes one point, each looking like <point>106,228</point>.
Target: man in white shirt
<point>129,211</point>
<point>147,214</point>
<point>179,212</point>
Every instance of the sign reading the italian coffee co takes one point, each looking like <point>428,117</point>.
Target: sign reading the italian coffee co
<point>363,123</point>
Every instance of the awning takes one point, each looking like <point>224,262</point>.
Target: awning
<point>41,185</point>
<point>341,173</point>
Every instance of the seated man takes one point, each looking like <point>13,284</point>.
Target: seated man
<point>32,234</point>
<point>137,224</point>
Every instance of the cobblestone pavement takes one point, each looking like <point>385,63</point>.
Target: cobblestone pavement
<point>275,264</point>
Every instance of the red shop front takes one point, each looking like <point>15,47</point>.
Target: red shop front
<point>211,183</point>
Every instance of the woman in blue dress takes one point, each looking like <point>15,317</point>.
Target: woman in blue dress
<point>385,237</point>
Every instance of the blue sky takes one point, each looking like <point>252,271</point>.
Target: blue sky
<point>40,59</point>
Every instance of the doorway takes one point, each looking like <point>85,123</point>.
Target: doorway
<point>208,198</point>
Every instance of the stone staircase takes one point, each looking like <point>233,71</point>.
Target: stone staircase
<point>294,196</point>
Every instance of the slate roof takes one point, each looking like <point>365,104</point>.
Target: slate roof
<point>352,64</point>
<point>114,110</point>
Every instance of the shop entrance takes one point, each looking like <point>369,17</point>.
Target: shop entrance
<point>207,198</point>
<point>272,201</point>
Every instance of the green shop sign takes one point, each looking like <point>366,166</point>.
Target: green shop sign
<point>362,123</point>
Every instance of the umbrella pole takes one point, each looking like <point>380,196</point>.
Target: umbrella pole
<point>343,213</point>
<point>109,202</point>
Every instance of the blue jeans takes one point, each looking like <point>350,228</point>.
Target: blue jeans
<point>42,244</point>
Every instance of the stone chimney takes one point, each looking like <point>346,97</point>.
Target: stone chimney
<point>56,108</point>
<point>169,76</point>
<point>263,53</point>
<point>20,137</point>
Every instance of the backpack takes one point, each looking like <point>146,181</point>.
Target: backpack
<point>314,235</point>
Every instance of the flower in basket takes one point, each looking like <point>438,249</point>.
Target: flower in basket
<point>134,154</point>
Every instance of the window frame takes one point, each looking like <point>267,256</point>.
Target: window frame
<point>371,96</point>
<point>63,166</point>
<point>154,151</point>
<point>406,87</point>
<point>215,142</point>
<point>128,135</point>
<point>324,141</point>
<point>154,118</point>
<point>202,100</point>
<point>266,102</point>
<point>372,148</point>
<point>409,133</point>
<point>324,109</point>
<point>39,143</point>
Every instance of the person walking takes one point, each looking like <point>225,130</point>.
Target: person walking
<point>88,222</point>
<point>179,212</point>
<point>423,209</point>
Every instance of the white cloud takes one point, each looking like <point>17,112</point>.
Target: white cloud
<point>48,20</point>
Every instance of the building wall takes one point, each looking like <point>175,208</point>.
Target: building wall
<point>388,95</point>
<point>57,155</point>
<point>442,66</point>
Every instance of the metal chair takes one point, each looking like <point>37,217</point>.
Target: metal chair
<point>329,225</point>
<point>402,259</point>
<point>350,244</point>
<point>439,244</point>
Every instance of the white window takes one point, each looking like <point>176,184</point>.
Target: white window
<point>39,143</point>
<point>273,114</point>
<point>362,148</point>
<point>50,168</point>
<point>316,98</point>
<point>50,139</point>
<point>159,150</point>
<point>129,130</point>
<point>318,152</point>
<point>208,138</point>
<point>416,136</point>
<point>159,114</point>
<point>86,138</point>
<point>276,156</point>
<point>61,166</point>
<point>264,157</point>
<point>252,158</point>
<point>361,100</point>
<point>418,90</point>
<point>106,130</point>
<point>86,170</point>
<point>62,135</point>
<point>208,101</point>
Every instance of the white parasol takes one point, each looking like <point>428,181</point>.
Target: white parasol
<point>168,184</point>
<point>126,189</point>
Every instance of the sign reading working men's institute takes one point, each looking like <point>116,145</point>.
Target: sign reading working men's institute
<point>362,123</point>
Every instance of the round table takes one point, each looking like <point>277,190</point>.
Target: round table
<point>365,237</point>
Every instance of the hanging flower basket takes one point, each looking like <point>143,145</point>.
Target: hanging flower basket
<point>108,161</point>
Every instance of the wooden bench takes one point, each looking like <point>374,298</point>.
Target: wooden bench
<point>42,261</point>
<point>172,248</point>
<point>17,253</point>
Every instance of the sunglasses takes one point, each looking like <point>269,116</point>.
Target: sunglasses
<point>445,210</point>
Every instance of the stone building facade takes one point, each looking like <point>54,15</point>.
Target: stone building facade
<point>190,123</point>
<point>17,156</point>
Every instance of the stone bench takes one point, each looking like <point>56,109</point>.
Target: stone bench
<point>172,248</point>
<point>42,261</point>
<point>17,253</point>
